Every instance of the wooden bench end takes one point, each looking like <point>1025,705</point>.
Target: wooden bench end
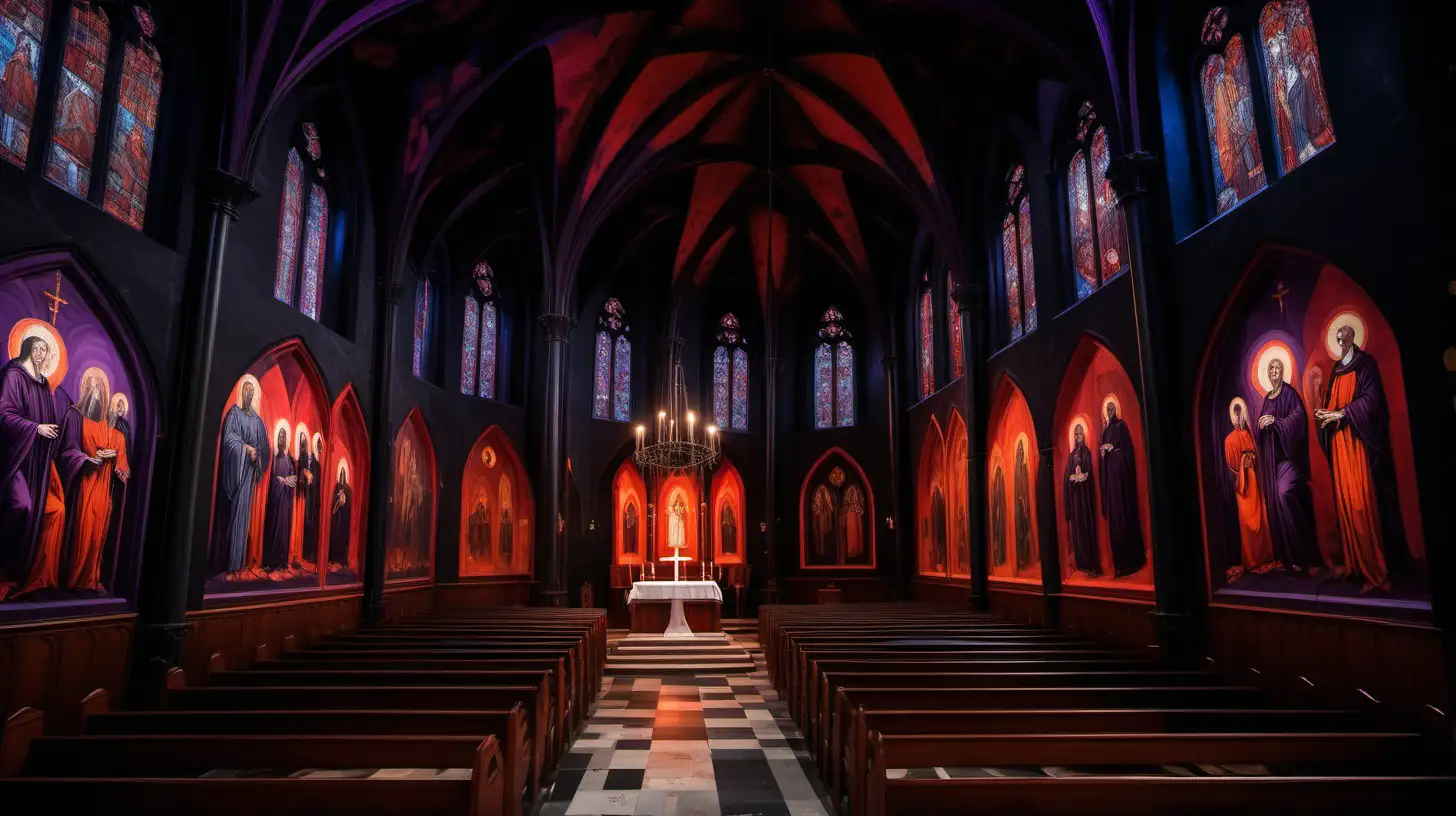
<point>21,728</point>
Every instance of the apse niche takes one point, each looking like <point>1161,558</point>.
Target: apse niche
<point>836,515</point>
<point>77,430</point>
<point>943,523</point>
<point>1305,460</point>
<point>495,510</point>
<point>1011,479</point>
<point>410,551</point>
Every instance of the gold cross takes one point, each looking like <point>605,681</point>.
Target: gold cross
<point>1279,292</point>
<point>55,298</point>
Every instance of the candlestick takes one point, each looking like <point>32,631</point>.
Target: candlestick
<point>691,420</point>
<point>640,431</point>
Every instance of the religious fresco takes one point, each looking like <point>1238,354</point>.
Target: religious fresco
<point>1011,479</point>
<point>958,497</point>
<point>410,548</point>
<point>496,510</point>
<point>76,441</point>
<point>1103,526</point>
<point>346,491</point>
<point>629,515</point>
<point>931,491</point>
<point>677,517</point>
<point>269,519</point>
<point>726,524</point>
<point>1305,459</point>
<point>836,515</point>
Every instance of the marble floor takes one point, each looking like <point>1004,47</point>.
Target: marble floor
<point>688,746</point>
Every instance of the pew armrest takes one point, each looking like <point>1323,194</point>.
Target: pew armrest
<point>21,728</point>
<point>874,800</point>
<point>486,780</point>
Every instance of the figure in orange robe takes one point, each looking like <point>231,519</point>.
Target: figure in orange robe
<point>1239,454</point>
<point>91,500</point>
<point>45,565</point>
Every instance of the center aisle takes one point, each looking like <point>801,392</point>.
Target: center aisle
<point>689,743</point>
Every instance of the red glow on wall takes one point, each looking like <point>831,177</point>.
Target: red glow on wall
<point>864,79</point>
<point>493,480</point>
<point>629,515</point>
<point>1010,423</point>
<point>727,515</point>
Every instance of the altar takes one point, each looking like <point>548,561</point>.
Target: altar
<point>675,608</point>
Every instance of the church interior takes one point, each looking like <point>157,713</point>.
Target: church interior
<point>721,407</point>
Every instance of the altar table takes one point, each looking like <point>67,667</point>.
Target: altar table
<point>702,599</point>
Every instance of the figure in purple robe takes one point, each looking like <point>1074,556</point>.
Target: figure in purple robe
<point>1282,465</point>
<point>29,439</point>
<point>1021,496</point>
<point>341,521</point>
<point>243,459</point>
<point>1079,501</point>
<point>998,516</point>
<point>278,512</point>
<point>1120,496</point>
<point>310,469</point>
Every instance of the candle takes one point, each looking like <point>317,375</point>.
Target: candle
<point>661,415</point>
<point>691,420</point>
<point>640,431</point>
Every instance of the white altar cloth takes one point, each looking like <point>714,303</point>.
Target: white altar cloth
<point>677,592</point>
<point>668,590</point>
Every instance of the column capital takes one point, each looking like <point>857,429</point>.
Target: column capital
<point>1132,174</point>
<point>224,191</point>
<point>557,326</point>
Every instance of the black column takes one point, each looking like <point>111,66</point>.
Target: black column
<point>894,420</point>
<point>968,298</point>
<point>164,609</point>
<point>550,557</point>
<point>382,432</point>
<point>770,593</point>
<point>1173,571</point>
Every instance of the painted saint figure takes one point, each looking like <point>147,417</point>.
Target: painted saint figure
<point>99,459</point>
<point>1354,432</point>
<point>341,510</point>
<point>309,490</point>
<point>1119,495</point>
<point>17,96</point>
<point>677,515</point>
<point>29,485</point>
<point>937,529</point>
<point>243,460</point>
<point>1282,462</point>
<point>823,507</point>
<point>851,524</point>
<point>998,516</point>
<point>1239,455</point>
<point>1079,503</point>
<point>479,529</point>
<point>1025,548</point>
<point>629,528</point>
<point>728,530</point>
<point>278,511</point>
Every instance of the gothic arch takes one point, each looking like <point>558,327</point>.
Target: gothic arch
<point>349,459</point>
<point>841,533</point>
<point>414,501</point>
<point>958,497</point>
<point>493,482</point>
<point>932,534</point>
<point>727,514</point>
<point>629,515</point>
<point>1011,501</point>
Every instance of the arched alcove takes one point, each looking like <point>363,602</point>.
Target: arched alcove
<point>629,515</point>
<point>958,510</point>
<point>726,520</point>
<point>836,515</point>
<point>346,490</point>
<point>410,548</point>
<point>496,509</point>
<point>931,534</point>
<point>1011,479</point>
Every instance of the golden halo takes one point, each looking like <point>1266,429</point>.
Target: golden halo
<point>344,469</point>
<point>300,430</point>
<point>318,441</point>
<point>121,401</point>
<point>1272,350</point>
<point>257,391</point>
<point>96,372</point>
<point>1343,318</point>
<point>1239,401</point>
<point>57,363</point>
<point>1022,440</point>
<point>487,456</point>
<point>1086,423</point>
<point>280,425</point>
<point>1112,398</point>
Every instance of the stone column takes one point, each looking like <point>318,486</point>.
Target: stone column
<point>968,298</point>
<point>894,422</point>
<point>381,429</point>
<point>770,592</point>
<point>550,557</point>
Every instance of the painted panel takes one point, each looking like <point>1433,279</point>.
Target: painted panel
<point>836,515</point>
<point>496,510</point>
<point>410,550</point>
<point>1011,479</point>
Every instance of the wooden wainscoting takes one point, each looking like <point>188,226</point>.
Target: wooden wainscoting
<point>940,590</point>
<point>805,589</point>
<point>408,601</point>
<point>1398,664</point>
<point>1024,603</point>
<point>466,595</point>
<point>237,632</point>
<point>1124,622</point>
<point>52,665</point>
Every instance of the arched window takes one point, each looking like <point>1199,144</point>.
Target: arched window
<point>833,373</point>
<point>422,325</point>
<point>303,235</point>
<point>129,167</point>
<point>730,375</point>
<point>612,396</point>
<point>1099,238</point>
<point>481,338</point>
<point>78,102</point>
<point>1235,160</point>
<point>1296,89</point>
<point>22,42</point>
<point>927,338</point>
<point>1017,266</point>
<point>953,321</point>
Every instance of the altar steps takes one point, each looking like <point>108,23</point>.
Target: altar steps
<point>704,654</point>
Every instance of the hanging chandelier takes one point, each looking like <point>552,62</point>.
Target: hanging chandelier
<point>678,443</point>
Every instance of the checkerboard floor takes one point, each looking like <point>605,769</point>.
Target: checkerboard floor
<point>688,746</point>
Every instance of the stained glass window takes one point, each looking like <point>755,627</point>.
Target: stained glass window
<point>1028,264</point>
<point>927,342</point>
<point>730,375</point>
<point>1233,137</point>
<point>1012,269</point>
<point>22,37</point>
<point>740,388</point>
<point>833,373</point>
<point>129,168</point>
<point>468,340</point>
<point>489,342</point>
<point>612,394</point>
<point>289,223</point>
<point>315,244</point>
<point>1296,85</point>
<point>422,325</point>
<point>1017,267</point>
<point>78,100</point>
<point>953,322</point>
<point>1084,250</point>
<point>722,398</point>
<point>1098,234</point>
<point>1111,235</point>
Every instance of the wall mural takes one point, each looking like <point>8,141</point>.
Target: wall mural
<point>629,515</point>
<point>410,549</point>
<point>957,453</point>
<point>1306,466</point>
<point>1102,519</point>
<point>268,506</point>
<point>677,517</point>
<point>836,515</point>
<point>727,526</point>
<point>346,491</point>
<point>496,509</point>
<point>932,538</point>
<point>1011,480</point>
<point>76,435</point>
